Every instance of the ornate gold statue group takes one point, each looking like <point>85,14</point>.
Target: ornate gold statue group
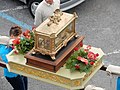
<point>55,18</point>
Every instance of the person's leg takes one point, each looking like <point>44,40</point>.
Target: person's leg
<point>118,84</point>
<point>25,80</point>
<point>17,83</point>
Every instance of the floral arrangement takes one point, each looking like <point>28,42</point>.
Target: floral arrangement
<point>82,59</point>
<point>24,44</point>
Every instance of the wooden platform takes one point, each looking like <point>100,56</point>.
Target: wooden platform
<point>63,77</point>
<point>45,61</point>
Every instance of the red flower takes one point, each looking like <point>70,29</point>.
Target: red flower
<point>82,59</point>
<point>79,58</point>
<point>88,47</point>
<point>77,66</point>
<point>26,33</point>
<point>16,41</point>
<point>13,47</point>
<point>97,55</point>
<point>28,36</point>
<point>91,63</point>
<point>76,49</point>
<point>92,56</point>
<point>81,44</point>
<point>33,28</point>
<point>15,52</point>
<point>86,50</point>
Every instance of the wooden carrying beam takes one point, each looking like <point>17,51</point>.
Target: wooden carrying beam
<point>2,64</point>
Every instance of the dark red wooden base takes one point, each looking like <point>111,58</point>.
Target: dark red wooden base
<point>45,62</point>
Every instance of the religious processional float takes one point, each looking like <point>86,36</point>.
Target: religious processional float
<point>54,53</point>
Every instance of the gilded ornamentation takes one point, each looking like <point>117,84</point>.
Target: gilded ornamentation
<point>55,18</point>
<point>38,74</point>
<point>76,83</point>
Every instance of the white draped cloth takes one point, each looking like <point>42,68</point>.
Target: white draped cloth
<point>4,40</point>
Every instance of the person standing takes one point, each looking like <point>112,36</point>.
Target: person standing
<point>118,84</point>
<point>44,10</point>
<point>18,82</point>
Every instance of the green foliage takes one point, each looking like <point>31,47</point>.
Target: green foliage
<point>26,44</point>
<point>82,64</point>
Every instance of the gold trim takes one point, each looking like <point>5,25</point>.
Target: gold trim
<point>51,76</point>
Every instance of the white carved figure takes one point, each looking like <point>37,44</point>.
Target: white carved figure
<point>92,87</point>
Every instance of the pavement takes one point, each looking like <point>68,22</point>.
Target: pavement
<point>98,21</point>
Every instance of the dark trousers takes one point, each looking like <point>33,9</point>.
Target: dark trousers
<point>18,83</point>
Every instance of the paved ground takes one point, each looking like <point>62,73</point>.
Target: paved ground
<point>99,21</point>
